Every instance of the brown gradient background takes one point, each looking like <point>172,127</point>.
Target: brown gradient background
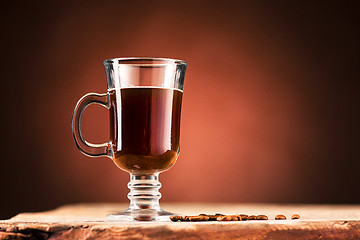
<point>270,109</point>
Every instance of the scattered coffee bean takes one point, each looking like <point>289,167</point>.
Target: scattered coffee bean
<point>280,217</point>
<point>235,218</point>
<point>244,217</point>
<point>184,219</point>
<point>224,218</point>
<point>198,218</point>
<point>261,217</point>
<point>212,217</point>
<point>239,218</point>
<point>175,218</point>
<point>219,217</point>
<point>252,217</point>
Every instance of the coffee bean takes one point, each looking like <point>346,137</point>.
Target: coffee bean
<point>175,218</point>
<point>280,217</point>
<point>261,217</point>
<point>295,216</point>
<point>198,218</point>
<point>202,214</point>
<point>212,217</point>
<point>234,217</point>
<point>219,214</point>
<point>244,217</point>
<point>205,218</point>
<point>184,219</point>
<point>252,217</point>
<point>239,218</point>
<point>224,218</point>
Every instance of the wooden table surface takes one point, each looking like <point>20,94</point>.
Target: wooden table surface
<point>87,221</point>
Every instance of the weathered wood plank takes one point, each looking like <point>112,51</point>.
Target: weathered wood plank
<point>87,221</point>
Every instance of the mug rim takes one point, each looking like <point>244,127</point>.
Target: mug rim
<point>127,61</point>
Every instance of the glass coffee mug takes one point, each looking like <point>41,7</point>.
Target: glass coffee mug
<point>144,100</point>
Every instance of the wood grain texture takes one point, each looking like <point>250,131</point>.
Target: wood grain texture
<point>87,221</point>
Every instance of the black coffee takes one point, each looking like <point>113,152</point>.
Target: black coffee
<point>145,128</point>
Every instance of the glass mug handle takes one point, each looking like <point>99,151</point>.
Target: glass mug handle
<point>90,149</point>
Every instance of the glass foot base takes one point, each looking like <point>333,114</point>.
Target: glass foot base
<point>140,215</point>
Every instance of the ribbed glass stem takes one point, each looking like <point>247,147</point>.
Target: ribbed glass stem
<point>144,192</point>
<point>144,198</point>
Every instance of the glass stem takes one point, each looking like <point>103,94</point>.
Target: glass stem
<point>144,192</point>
